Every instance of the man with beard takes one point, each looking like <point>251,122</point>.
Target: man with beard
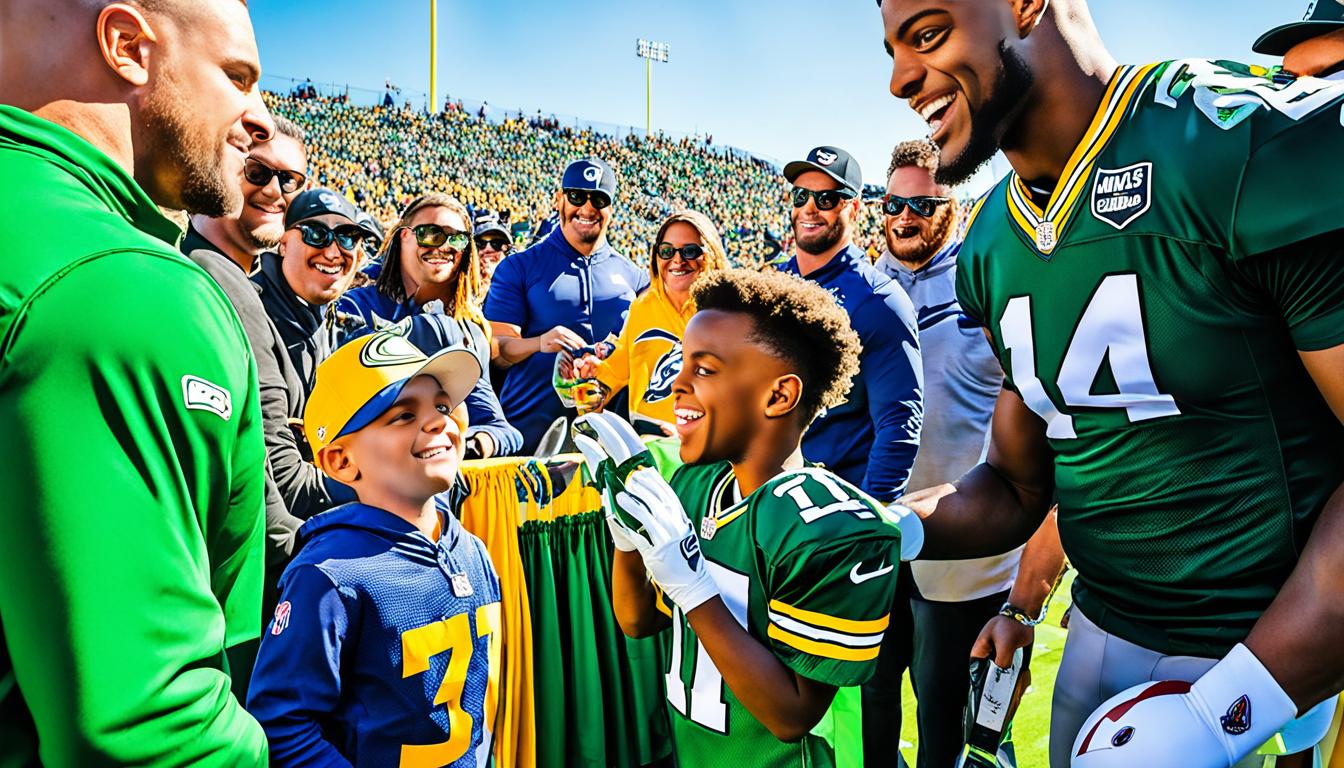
<point>133,452</point>
<point>1159,277</point>
<point>569,290</point>
<point>870,439</point>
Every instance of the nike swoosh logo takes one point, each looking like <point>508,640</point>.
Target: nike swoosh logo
<point>859,578</point>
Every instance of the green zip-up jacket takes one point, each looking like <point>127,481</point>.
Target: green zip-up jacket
<point>131,528</point>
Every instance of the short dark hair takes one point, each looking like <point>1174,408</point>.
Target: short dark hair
<point>797,321</point>
<point>920,153</point>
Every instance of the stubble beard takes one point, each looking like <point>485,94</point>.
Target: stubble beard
<point>197,160</point>
<point>991,122</point>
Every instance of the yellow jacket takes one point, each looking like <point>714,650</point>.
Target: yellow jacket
<point>647,357</point>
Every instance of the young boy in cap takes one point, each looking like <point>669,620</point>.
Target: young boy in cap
<point>384,649</point>
<point>776,578</point>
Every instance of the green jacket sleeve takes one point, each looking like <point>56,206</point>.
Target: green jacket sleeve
<point>134,530</point>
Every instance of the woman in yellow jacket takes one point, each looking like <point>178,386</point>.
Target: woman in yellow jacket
<point>647,355</point>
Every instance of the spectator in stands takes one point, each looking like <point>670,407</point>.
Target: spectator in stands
<point>568,291</point>
<point>273,174</point>
<point>647,355</point>
<point>492,243</point>
<point>132,439</point>
<point>295,490</point>
<point>871,439</point>
<point>430,283</point>
<point>317,254</point>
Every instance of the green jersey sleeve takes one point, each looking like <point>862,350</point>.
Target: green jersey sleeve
<point>134,541</point>
<point>1305,282</point>
<point>830,578</point>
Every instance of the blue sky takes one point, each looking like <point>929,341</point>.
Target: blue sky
<point>773,77</point>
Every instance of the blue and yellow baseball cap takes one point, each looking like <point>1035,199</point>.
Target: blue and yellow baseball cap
<point>365,377</point>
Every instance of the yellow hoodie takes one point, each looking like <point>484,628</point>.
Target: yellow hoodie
<point>647,357</point>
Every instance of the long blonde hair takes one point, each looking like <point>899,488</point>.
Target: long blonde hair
<point>715,257</point>
<point>467,299</point>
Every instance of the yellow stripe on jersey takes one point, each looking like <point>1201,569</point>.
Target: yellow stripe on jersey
<point>1061,208</point>
<point>826,650</point>
<point>975,211</point>
<point>832,622</point>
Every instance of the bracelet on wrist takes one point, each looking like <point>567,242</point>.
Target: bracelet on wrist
<point>1020,616</point>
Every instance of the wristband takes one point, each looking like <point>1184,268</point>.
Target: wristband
<point>1021,616</point>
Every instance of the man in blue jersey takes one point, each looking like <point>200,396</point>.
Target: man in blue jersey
<point>569,290</point>
<point>870,440</point>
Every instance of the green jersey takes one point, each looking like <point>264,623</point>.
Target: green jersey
<point>1151,314</point>
<point>807,564</point>
<point>133,473</point>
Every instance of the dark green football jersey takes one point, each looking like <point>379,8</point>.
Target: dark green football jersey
<point>1152,315</point>
<point>807,563</point>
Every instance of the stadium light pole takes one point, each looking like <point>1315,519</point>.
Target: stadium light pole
<point>650,52</point>
<point>433,56</point>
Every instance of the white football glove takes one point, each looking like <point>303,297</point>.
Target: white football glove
<point>606,440</point>
<point>643,512</point>
<point>1222,717</point>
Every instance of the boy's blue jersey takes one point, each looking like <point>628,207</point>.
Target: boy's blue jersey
<point>384,649</point>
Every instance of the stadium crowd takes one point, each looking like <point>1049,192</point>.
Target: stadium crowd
<point>366,297</point>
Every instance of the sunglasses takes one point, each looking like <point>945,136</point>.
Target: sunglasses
<point>826,198</point>
<point>920,205</point>
<point>260,174</point>
<point>578,197</point>
<point>666,251</point>
<point>494,244</point>
<point>317,235</point>
<point>433,236</point>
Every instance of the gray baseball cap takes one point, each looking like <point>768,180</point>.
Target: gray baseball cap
<point>1322,16</point>
<point>832,161</point>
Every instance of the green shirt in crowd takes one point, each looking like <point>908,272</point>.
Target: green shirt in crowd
<point>1152,314</point>
<point>132,472</point>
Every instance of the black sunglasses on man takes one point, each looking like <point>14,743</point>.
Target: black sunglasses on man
<point>260,174</point>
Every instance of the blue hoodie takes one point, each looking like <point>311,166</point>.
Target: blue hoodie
<point>376,626</point>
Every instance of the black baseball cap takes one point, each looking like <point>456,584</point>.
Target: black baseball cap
<point>590,174</point>
<point>832,161</point>
<point>319,202</point>
<point>1322,16</point>
<point>487,222</point>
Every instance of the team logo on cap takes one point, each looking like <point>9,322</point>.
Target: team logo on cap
<point>200,395</point>
<point>387,349</point>
<point>1123,195</point>
<point>592,173</point>
<point>328,199</point>
<point>826,158</point>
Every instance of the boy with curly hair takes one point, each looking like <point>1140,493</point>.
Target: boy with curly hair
<point>776,578</point>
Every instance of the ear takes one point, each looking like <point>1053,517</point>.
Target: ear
<point>126,40</point>
<point>558,200</point>
<point>1028,14</point>
<point>338,463</point>
<point>785,394</point>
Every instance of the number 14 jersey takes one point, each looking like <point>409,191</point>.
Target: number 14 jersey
<point>807,564</point>
<point>1151,314</point>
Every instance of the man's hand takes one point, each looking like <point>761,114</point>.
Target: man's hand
<point>559,338</point>
<point>1000,638</point>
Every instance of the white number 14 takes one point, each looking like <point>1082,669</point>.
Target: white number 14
<point>1111,326</point>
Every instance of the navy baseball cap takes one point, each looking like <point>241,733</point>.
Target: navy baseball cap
<point>590,174</point>
<point>1322,16</point>
<point>832,161</point>
<point>487,222</point>
<point>319,202</point>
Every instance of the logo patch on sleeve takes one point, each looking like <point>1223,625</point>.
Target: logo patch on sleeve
<point>281,618</point>
<point>200,395</point>
<point>1123,195</point>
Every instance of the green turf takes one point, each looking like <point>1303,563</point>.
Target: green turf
<point>1031,725</point>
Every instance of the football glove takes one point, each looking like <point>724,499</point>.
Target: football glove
<point>1212,723</point>
<point>606,440</point>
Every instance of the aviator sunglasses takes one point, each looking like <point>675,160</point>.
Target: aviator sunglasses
<point>433,236</point>
<point>826,198</point>
<point>318,235</point>
<point>260,174</point>
<point>920,205</point>
<point>665,251</point>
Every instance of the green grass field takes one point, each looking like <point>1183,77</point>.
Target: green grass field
<point>1031,725</point>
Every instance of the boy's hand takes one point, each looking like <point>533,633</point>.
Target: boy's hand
<point>606,441</point>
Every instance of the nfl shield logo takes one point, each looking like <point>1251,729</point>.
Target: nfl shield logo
<point>281,618</point>
<point>1123,195</point>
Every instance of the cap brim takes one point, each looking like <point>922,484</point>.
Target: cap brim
<point>798,167</point>
<point>1278,40</point>
<point>488,230</point>
<point>456,369</point>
